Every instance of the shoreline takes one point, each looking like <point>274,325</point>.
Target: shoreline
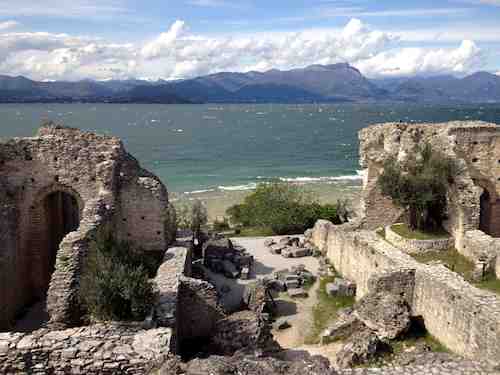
<point>218,201</point>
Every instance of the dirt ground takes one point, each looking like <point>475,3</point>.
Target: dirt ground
<point>298,311</point>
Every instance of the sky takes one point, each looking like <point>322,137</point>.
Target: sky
<point>177,39</point>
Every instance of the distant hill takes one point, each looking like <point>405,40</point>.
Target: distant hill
<point>315,83</point>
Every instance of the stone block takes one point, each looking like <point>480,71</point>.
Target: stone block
<point>297,293</point>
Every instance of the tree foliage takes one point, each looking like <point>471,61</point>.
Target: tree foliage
<point>419,185</point>
<point>284,208</point>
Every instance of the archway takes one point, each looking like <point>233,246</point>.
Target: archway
<point>52,217</point>
<point>485,212</point>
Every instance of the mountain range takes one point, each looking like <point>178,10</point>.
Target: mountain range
<point>315,83</point>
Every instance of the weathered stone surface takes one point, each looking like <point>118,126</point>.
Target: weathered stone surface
<point>462,317</point>
<point>346,325</point>
<point>258,366</point>
<point>97,349</point>
<point>297,293</point>
<point>360,348</point>
<point>341,288</point>
<point>388,315</point>
<point>102,188</point>
<point>242,330</point>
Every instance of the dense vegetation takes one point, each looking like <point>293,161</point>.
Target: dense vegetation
<point>419,185</point>
<point>284,209</point>
<point>116,284</point>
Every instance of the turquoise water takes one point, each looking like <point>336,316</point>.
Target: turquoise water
<point>232,147</point>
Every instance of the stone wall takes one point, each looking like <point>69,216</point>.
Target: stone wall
<point>413,246</point>
<point>476,148</point>
<point>98,349</point>
<point>109,188</point>
<point>462,317</point>
<point>199,310</point>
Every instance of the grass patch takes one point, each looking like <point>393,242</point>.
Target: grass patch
<point>451,258</point>
<point>404,231</point>
<point>326,310</point>
<point>490,283</point>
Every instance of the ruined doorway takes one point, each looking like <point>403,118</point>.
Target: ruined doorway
<point>55,214</point>
<point>485,212</point>
<point>61,216</point>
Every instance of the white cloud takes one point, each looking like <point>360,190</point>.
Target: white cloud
<point>8,25</point>
<point>178,53</point>
<point>412,61</point>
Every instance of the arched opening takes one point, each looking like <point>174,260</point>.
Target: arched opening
<point>62,216</point>
<point>485,212</point>
<point>52,217</point>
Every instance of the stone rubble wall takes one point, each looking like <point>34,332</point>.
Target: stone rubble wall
<point>474,145</point>
<point>8,241</point>
<point>483,250</point>
<point>413,246</point>
<point>63,294</point>
<point>450,368</point>
<point>199,310</point>
<point>110,189</point>
<point>97,349</point>
<point>465,319</point>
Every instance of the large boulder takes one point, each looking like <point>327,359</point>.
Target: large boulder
<point>359,349</point>
<point>341,288</point>
<point>244,330</point>
<point>386,314</point>
<point>250,365</point>
<point>346,325</point>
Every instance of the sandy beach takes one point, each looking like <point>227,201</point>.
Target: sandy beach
<point>218,201</point>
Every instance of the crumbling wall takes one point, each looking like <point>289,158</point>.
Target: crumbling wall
<point>97,349</point>
<point>8,241</point>
<point>476,148</point>
<point>199,310</point>
<point>109,189</point>
<point>462,317</point>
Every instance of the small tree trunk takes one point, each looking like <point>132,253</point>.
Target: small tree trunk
<point>412,218</point>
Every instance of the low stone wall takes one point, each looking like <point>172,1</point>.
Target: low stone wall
<point>98,349</point>
<point>462,317</point>
<point>414,246</point>
<point>483,250</point>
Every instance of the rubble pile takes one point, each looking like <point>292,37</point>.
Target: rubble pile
<point>290,247</point>
<point>292,281</point>
<point>368,328</point>
<point>220,256</point>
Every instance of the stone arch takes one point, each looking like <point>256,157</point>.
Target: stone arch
<point>489,210</point>
<point>55,212</point>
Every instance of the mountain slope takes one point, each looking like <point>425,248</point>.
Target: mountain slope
<point>315,83</point>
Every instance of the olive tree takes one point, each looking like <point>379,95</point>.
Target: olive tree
<point>419,186</point>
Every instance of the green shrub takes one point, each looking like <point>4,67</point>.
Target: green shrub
<point>116,283</point>
<point>419,186</point>
<point>283,208</point>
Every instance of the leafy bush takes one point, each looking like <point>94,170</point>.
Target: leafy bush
<point>191,216</point>
<point>116,284</point>
<point>419,186</point>
<point>283,208</point>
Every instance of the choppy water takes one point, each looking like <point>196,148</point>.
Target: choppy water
<point>233,147</point>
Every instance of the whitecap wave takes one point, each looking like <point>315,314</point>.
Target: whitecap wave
<point>250,186</point>
<point>198,191</point>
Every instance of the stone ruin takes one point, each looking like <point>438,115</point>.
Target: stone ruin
<point>463,318</point>
<point>473,198</point>
<point>60,192</point>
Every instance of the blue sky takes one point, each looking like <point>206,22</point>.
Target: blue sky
<point>157,39</point>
